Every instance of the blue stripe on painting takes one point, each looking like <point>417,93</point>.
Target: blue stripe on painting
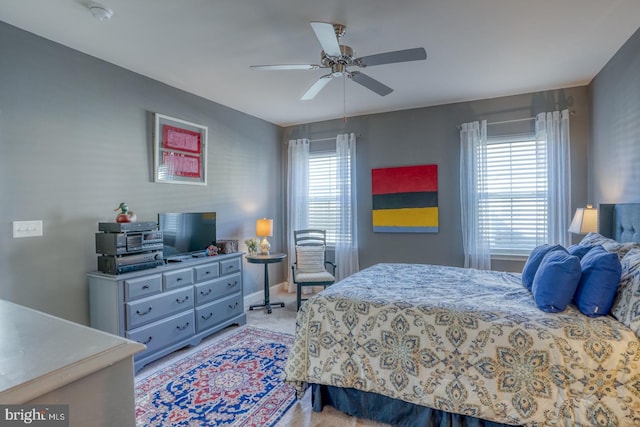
<point>405,229</point>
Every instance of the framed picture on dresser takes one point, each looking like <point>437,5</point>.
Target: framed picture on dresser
<point>179,151</point>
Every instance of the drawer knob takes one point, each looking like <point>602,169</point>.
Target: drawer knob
<point>204,294</point>
<point>140,313</point>
<point>180,301</point>
<point>232,306</point>
<point>179,279</point>
<point>145,287</point>
<point>231,285</point>
<point>207,272</point>
<point>147,341</point>
<point>182,328</point>
<point>230,267</point>
<point>207,317</point>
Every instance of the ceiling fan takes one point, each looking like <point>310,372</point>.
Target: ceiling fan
<point>338,57</point>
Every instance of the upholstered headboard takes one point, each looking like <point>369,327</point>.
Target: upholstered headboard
<point>620,221</point>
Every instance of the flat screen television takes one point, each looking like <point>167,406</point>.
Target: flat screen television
<point>187,234</point>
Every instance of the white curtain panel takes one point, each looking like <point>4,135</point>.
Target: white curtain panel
<point>473,172</point>
<point>347,236</point>
<point>554,128</point>
<point>297,197</point>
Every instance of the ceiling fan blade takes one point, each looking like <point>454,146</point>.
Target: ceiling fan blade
<point>326,35</point>
<point>286,67</point>
<point>370,83</point>
<point>316,87</point>
<point>416,54</point>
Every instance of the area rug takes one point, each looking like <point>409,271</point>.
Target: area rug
<point>234,381</point>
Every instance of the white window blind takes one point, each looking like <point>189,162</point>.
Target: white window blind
<point>513,195</point>
<point>324,193</point>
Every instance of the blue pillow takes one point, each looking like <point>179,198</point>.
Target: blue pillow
<point>596,291</point>
<point>579,250</point>
<point>556,281</point>
<point>533,262</point>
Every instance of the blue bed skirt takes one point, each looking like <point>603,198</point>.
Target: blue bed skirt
<point>384,409</point>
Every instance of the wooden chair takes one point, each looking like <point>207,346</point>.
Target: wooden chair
<point>310,266</point>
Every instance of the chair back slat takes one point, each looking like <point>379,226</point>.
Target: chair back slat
<point>310,237</point>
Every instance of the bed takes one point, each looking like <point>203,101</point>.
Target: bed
<point>427,345</point>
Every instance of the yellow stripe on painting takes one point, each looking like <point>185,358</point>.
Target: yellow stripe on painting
<point>413,217</point>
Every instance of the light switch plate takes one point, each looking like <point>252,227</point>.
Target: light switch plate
<point>27,229</point>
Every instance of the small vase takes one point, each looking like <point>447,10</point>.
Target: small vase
<point>253,251</point>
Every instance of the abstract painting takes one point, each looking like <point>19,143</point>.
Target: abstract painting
<point>405,199</point>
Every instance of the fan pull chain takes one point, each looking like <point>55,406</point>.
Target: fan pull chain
<point>344,99</point>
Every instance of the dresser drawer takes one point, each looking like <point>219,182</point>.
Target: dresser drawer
<point>213,313</point>
<point>152,308</point>
<point>178,278</point>
<point>230,266</point>
<point>217,288</point>
<point>164,332</point>
<point>142,287</point>
<point>207,272</point>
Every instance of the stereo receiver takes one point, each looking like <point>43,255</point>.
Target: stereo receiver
<point>128,243</point>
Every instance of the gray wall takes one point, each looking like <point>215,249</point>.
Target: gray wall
<point>615,147</point>
<point>431,135</point>
<point>75,140</point>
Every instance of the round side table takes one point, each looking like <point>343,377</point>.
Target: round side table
<point>266,260</point>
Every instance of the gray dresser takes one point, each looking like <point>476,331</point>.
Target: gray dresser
<point>169,307</point>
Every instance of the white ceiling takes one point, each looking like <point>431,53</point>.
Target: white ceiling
<point>476,49</point>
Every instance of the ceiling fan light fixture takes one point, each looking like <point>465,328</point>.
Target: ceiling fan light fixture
<point>100,12</point>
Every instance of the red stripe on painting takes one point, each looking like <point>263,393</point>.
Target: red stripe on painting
<point>405,179</point>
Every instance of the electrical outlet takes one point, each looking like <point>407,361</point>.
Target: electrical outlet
<point>27,229</point>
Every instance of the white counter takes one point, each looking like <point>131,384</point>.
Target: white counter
<point>48,360</point>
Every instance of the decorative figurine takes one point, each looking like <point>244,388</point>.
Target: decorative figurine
<point>125,214</point>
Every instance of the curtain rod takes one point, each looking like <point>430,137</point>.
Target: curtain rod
<point>505,122</point>
<point>511,121</point>
<point>314,140</point>
<point>333,137</point>
<point>324,139</point>
<point>571,113</point>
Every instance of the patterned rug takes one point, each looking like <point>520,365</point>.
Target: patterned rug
<point>234,381</point>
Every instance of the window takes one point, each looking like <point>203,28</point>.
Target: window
<point>513,196</point>
<point>324,194</point>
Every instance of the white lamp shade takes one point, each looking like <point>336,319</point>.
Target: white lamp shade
<point>264,227</point>
<point>584,221</point>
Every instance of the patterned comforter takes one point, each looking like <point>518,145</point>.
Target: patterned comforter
<point>470,342</point>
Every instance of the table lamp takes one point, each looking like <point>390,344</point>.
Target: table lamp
<point>585,220</point>
<point>264,228</point>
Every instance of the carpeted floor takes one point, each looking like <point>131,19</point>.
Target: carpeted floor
<point>283,320</point>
